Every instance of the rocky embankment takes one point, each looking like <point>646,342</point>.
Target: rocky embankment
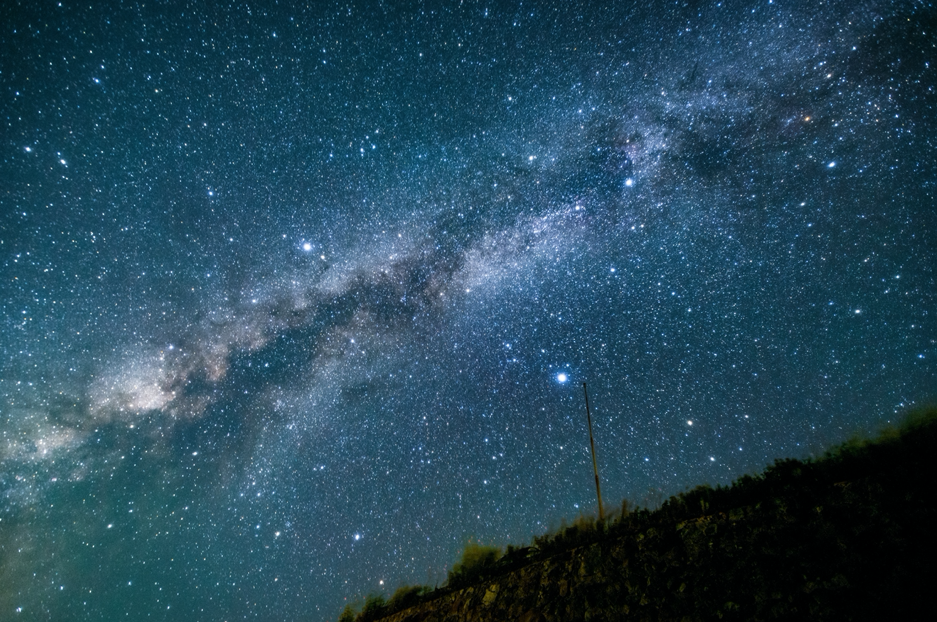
<point>850,536</point>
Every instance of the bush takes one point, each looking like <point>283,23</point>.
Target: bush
<point>373,608</point>
<point>406,596</point>
<point>476,559</point>
<point>348,614</point>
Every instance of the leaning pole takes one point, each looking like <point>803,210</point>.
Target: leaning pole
<point>595,468</point>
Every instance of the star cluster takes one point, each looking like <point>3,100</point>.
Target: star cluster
<point>296,299</point>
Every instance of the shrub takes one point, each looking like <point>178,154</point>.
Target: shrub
<point>373,608</point>
<point>348,614</point>
<point>476,559</point>
<point>406,596</point>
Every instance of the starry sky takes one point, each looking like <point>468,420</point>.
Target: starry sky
<point>297,298</point>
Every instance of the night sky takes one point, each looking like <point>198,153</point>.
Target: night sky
<point>296,299</point>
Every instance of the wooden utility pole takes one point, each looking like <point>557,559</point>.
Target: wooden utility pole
<point>595,467</point>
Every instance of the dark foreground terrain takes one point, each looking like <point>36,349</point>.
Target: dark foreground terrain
<point>850,536</point>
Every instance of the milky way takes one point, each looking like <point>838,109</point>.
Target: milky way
<point>296,300</point>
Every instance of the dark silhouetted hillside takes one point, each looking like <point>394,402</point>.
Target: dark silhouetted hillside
<point>850,536</point>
